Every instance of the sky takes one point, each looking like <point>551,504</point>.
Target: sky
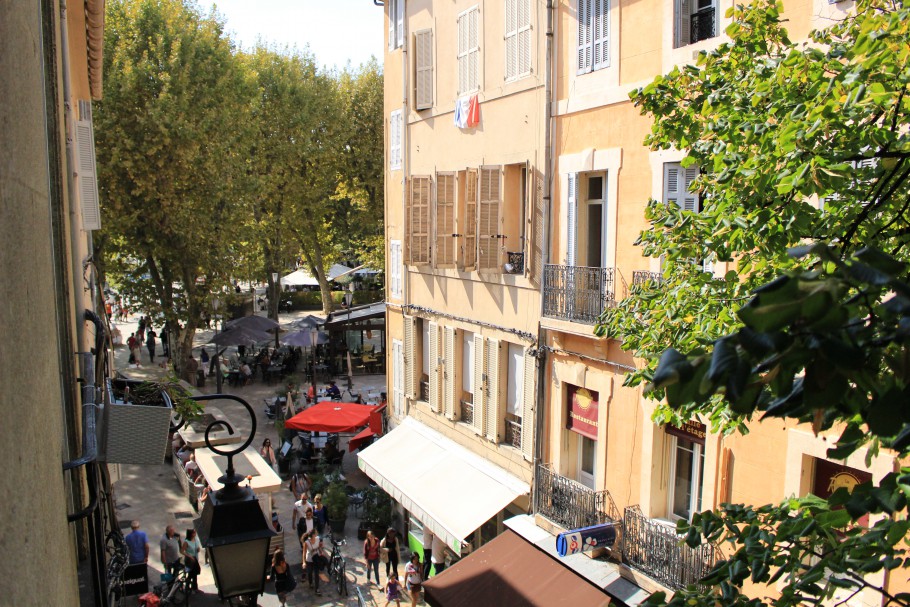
<point>337,31</point>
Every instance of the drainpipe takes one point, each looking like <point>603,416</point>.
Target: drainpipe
<point>405,169</point>
<point>541,408</point>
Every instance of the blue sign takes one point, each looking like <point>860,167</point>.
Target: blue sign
<point>586,538</point>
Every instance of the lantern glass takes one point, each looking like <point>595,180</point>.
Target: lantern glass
<point>240,568</point>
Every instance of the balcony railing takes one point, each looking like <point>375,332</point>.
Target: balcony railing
<point>576,293</point>
<point>655,549</point>
<point>513,433</point>
<point>467,413</point>
<point>702,25</point>
<point>640,278</point>
<point>570,504</point>
<point>425,391</point>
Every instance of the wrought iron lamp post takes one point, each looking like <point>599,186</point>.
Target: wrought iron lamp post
<point>232,526</point>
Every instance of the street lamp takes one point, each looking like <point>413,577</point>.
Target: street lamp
<point>232,526</point>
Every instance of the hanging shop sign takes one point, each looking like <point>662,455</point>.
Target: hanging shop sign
<point>583,411</point>
<point>692,431</point>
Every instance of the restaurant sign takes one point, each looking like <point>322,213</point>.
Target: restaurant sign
<point>583,411</point>
<point>692,430</point>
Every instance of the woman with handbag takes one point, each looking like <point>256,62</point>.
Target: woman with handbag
<point>284,578</point>
<point>414,578</point>
<point>190,550</point>
<point>371,554</point>
<point>389,551</point>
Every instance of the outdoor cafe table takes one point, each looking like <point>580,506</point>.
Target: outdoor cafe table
<point>248,462</point>
<point>193,433</point>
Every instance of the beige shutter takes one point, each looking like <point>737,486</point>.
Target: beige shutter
<point>528,402</point>
<point>433,371</point>
<point>511,38</point>
<point>492,399</point>
<point>584,46</point>
<point>423,80</point>
<point>419,220</point>
<point>392,16</point>
<point>469,225</point>
<point>489,219</point>
<point>536,232</point>
<point>445,220</point>
<point>449,379</point>
<point>523,51</point>
<point>600,22</point>
<point>86,171</point>
<point>410,357</point>
<point>474,50</point>
<point>463,56</point>
<point>683,19</point>
<point>479,381</point>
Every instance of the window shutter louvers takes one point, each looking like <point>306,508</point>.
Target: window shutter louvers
<point>424,77</point>
<point>524,37</point>
<point>400,22</point>
<point>492,404</point>
<point>479,383</point>
<point>690,198</point>
<point>489,219</point>
<point>672,183</point>
<point>585,49</point>
<point>410,356</point>
<point>535,260</point>
<point>393,15</point>
<point>398,388</point>
<point>572,219</point>
<point>601,34</point>
<point>86,169</point>
<point>511,38</point>
<point>419,224</point>
<point>395,127</point>
<point>528,401</point>
<point>449,380</point>
<point>474,42</point>
<point>446,187</point>
<point>683,20</point>
<point>469,227</point>
<point>433,371</point>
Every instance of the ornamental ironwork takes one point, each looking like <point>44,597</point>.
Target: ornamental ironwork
<point>577,293</point>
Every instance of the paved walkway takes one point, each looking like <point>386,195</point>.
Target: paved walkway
<point>152,495</point>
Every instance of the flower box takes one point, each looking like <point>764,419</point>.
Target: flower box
<point>135,432</point>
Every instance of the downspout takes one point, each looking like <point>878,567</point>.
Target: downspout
<point>541,408</point>
<point>405,173</point>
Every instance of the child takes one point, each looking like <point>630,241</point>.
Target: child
<point>393,590</point>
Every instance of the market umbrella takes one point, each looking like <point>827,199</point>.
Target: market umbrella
<point>329,416</point>
<point>302,338</point>
<point>309,322</point>
<point>257,323</point>
<point>239,336</point>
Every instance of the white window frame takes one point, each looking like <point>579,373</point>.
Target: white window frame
<point>683,10</point>
<point>589,480</point>
<point>517,39</point>
<point>398,387</point>
<point>468,54</point>
<point>396,269</point>
<point>396,128</point>
<point>697,483</point>
<point>593,39</point>
<point>396,24</point>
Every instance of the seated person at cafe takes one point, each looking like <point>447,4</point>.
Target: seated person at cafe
<point>332,390</point>
<point>191,467</point>
<point>331,453</point>
<point>184,453</point>
<point>246,373</point>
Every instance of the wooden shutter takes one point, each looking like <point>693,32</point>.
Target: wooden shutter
<point>678,186</point>
<point>600,21</point>
<point>393,15</point>
<point>511,38</point>
<point>492,398</point>
<point>410,357</point>
<point>528,402</point>
<point>423,80</point>
<point>536,231</point>
<point>683,20</point>
<point>445,220</point>
<point>419,220</point>
<point>524,37</point>
<point>690,198</point>
<point>398,387</point>
<point>462,53</point>
<point>479,381</point>
<point>489,219</point>
<point>399,22</point>
<point>87,176</point>
<point>585,38</point>
<point>474,49</point>
<point>469,225</point>
<point>433,371</point>
<point>395,126</point>
<point>449,378</point>
<point>572,219</point>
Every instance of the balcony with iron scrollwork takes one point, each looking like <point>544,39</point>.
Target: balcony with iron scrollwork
<point>570,504</point>
<point>577,293</point>
<point>513,432</point>
<point>703,25</point>
<point>642,278</point>
<point>654,548</point>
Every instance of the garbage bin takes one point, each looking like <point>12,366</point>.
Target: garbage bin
<point>200,378</point>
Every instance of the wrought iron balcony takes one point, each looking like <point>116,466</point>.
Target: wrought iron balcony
<point>513,433</point>
<point>576,293</point>
<point>703,25</point>
<point>467,412</point>
<point>516,262</point>
<point>568,503</point>
<point>655,549</point>
<point>640,278</point>
<point>425,391</point>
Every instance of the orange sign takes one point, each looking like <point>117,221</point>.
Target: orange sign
<point>583,411</point>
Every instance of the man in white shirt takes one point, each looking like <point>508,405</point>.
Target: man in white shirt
<point>428,538</point>
<point>439,555</point>
<point>299,516</point>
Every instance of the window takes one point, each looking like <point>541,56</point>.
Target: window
<point>514,395</point>
<point>593,35</point>
<point>469,51</point>
<point>467,377</point>
<point>395,128</point>
<point>489,219</point>
<point>587,448</point>
<point>396,24</point>
<point>518,38</point>
<point>696,20</point>
<point>586,218</point>
<point>398,378</point>
<point>678,186</point>
<point>395,269</point>
<point>423,69</point>
<point>687,466</point>
<point>419,220</point>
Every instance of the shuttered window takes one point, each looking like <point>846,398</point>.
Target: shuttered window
<point>695,20</point>
<point>493,413</point>
<point>396,24</point>
<point>469,225</point>
<point>423,76</point>
<point>433,366</point>
<point>86,170</point>
<point>518,38</point>
<point>529,395</point>
<point>398,388</point>
<point>593,35</point>
<point>419,220</point>
<point>445,220</point>
<point>571,218</point>
<point>469,51</point>
<point>395,269</point>
<point>449,379</point>
<point>479,384</point>
<point>677,186</point>
<point>410,357</point>
<point>395,128</point>
<point>489,219</point>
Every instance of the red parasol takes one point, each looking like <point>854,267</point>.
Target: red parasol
<point>329,416</point>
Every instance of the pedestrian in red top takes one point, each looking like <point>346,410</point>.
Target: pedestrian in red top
<point>371,554</point>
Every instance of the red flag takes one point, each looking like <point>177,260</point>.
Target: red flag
<point>474,112</point>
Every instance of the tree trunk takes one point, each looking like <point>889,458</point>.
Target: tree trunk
<point>315,262</point>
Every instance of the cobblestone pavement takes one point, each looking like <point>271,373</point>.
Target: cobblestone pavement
<point>152,494</point>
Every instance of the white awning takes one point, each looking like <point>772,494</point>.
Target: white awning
<point>447,487</point>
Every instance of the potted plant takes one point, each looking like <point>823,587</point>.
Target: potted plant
<point>336,502</point>
<point>377,512</point>
<point>137,419</point>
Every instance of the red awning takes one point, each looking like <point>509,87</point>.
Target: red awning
<point>363,436</point>
<point>329,416</point>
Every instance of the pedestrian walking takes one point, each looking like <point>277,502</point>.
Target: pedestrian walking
<point>170,550</point>
<point>133,344</point>
<point>190,550</point>
<point>283,577</point>
<point>389,551</point>
<point>393,591</point>
<point>150,343</point>
<point>414,578</point>
<point>138,543</point>
<point>371,555</point>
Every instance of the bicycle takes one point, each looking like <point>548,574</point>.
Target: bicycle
<point>175,591</point>
<point>337,568</point>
